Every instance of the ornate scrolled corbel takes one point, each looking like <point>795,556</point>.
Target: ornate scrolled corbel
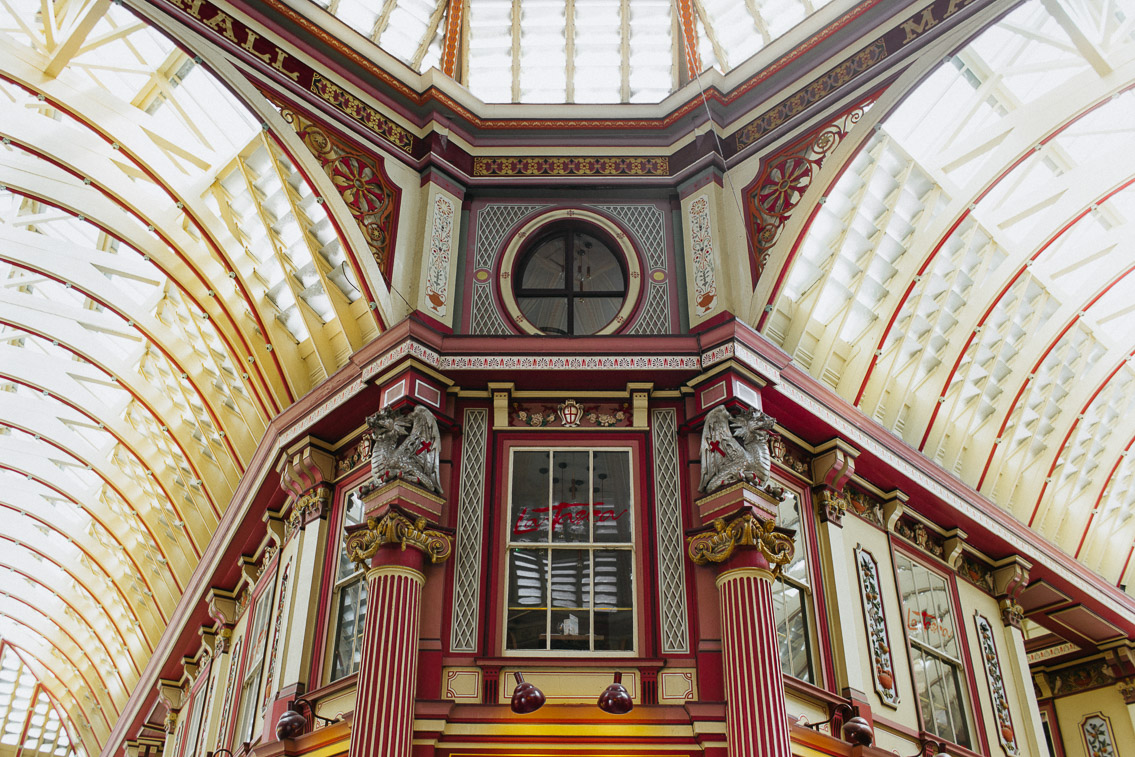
<point>745,530</point>
<point>308,505</point>
<point>1011,613</point>
<point>396,528</point>
<point>831,504</point>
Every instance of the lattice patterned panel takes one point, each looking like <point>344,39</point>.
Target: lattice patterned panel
<point>485,318</point>
<point>668,515</point>
<point>655,317</point>
<point>470,532</point>
<point>648,224</point>
<point>492,224</point>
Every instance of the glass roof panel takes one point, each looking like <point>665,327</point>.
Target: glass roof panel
<point>136,361</point>
<point>980,242</point>
<point>585,51</point>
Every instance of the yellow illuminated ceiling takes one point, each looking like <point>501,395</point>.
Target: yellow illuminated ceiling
<point>170,280</point>
<point>168,284</point>
<point>967,280</point>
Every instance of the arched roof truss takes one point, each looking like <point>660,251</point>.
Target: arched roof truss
<point>169,282</point>
<point>584,51</point>
<point>967,277</point>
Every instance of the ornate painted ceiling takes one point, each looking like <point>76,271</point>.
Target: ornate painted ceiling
<point>168,284</point>
<point>964,276</point>
<point>171,278</point>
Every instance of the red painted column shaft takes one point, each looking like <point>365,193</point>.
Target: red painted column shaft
<point>756,720</point>
<point>388,672</point>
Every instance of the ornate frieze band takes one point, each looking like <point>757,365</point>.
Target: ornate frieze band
<point>347,103</point>
<point>878,640</point>
<point>988,646</point>
<point>470,531</point>
<point>572,166</point>
<point>668,514</point>
<point>745,530</point>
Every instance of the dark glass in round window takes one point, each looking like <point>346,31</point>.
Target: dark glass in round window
<point>570,282</point>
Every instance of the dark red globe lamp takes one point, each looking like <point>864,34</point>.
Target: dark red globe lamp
<point>526,698</point>
<point>293,723</point>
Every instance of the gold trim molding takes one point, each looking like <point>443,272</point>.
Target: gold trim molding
<point>746,530</point>
<point>395,528</point>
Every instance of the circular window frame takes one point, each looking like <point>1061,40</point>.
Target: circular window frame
<point>538,227</point>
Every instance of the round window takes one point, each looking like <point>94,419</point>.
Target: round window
<point>571,280</point>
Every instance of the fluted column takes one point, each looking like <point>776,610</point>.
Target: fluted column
<point>395,550</point>
<point>749,553</point>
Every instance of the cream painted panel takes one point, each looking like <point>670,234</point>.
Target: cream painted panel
<point>408,240</point>
<point>875,541</point>
<point>441,232</point>
<point>1070,711</point>
<point>975,600</point>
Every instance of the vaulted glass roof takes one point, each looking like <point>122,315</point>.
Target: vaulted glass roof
<point>967,280</point>
<point>169,282</point>
<point>571,51</point>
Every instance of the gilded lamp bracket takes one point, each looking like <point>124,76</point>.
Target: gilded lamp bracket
<point>745,530</point>
<point>396,528</point>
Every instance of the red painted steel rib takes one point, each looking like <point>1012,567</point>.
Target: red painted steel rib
<point>36,632</point>
<point>82,411</point>
<point>206,235</point>
<point>60,710</point>
<point>168,356</point>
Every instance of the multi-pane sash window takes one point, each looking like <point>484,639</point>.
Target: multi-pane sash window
<point>257,635</point>
<point>196,711</point>
<point>571,551</point>
<point>935,654</point>
<point>349,599</point>
<point>791,599</point>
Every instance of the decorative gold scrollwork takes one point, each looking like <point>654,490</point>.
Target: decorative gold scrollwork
<point>395,528</point>
<point>745,530</point>
<point>308,504</point>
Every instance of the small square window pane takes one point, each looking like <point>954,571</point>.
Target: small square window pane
<point>613,568</point>
<point>611,492</point>
<point>614,630</point>
<point>571,629</point>
<point>593,313</point>
<point>530,513</point>
<point>545,268</point>
<point>571,579</point>
<point>547,314</point>
<point>571,496</point>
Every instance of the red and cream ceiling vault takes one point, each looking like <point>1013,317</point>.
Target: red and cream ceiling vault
<point>182,256</point>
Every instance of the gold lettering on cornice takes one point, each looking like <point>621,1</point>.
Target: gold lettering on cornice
<point>238,34</point>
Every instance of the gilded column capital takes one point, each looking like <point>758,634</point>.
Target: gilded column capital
<point>745,530</point>
<point>831,504</point>
<point>1126,688</point>
<point>311,504</point>
<point>1011,613</point>
<point>395,528</point>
